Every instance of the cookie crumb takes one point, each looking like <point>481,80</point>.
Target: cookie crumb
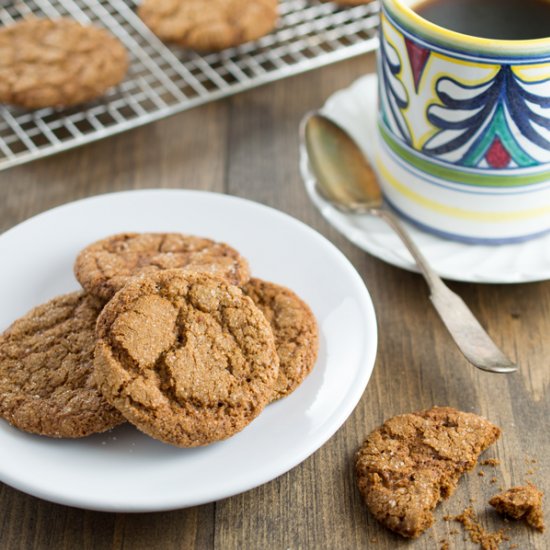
<point>494,480</point>
<point>481,473</point>
<point>444,545</point>
<point>490,462</point>
<point>487,540</point>
<point>523,502</point>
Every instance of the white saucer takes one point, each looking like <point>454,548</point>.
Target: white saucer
<point>126,471</point>
<point>355,110</point>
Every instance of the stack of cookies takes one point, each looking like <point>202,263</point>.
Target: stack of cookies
<point>170,333</point>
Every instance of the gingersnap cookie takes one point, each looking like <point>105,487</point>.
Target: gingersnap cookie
<point>295,330</point>
<point>57,63</point>
<point>185,357</point>
<point>107,265</point>
<point>413,461</point>
<point>213,27</point>
<point>46,366</point>
<point>524,502</point>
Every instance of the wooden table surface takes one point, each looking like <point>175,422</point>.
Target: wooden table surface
<point>248,146</point>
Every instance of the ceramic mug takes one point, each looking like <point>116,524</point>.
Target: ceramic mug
<point>464,129</point>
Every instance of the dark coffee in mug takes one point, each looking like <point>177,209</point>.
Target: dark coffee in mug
<point>497,19</point>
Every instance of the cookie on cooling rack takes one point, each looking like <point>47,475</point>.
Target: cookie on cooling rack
<point>209,26</point>
<point>57,63</point>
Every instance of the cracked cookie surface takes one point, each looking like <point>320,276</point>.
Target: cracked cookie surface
<point>295,330</point>
<point>57,63</point>
<point>186,357</point>
<point>413,461</point>
<point>46,367</point>
<point>221,24</point>
<point>105,266</point>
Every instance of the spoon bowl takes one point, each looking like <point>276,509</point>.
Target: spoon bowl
<point>345,178</point>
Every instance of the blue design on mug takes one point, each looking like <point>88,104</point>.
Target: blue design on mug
<point>498,124</point>
<point>395,98</point>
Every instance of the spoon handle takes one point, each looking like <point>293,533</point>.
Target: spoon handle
<point>470,337</point>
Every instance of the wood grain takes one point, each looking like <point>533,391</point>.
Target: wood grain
<point>248,146</point>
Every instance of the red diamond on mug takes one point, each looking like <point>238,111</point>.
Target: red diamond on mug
<point>497,156</point>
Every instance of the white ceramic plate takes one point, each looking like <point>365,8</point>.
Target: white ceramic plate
<point>355,110</point>
<point>125,470</point>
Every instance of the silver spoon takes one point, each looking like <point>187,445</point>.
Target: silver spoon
<point>346,180</point>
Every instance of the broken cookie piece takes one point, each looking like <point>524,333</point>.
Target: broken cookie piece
<point>523,502</point>
<point>413,461</point>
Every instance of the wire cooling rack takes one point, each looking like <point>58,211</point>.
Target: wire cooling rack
<point>163,80</point>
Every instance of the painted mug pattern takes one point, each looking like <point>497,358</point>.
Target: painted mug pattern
<point>464,127</point>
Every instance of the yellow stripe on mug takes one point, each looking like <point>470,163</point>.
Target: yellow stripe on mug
<point>453,211</point>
